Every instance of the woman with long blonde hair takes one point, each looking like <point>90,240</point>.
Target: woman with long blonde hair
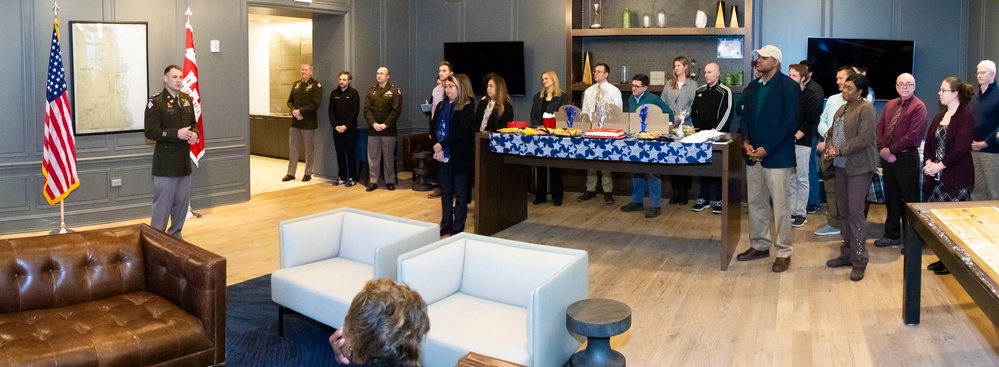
<point>679,95</point>
<point>549,100</point>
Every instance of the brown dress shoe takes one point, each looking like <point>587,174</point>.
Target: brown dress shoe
<point>857,273</point>
<point>287,178</point>
<point>781,264</point>
<point>753,254</point>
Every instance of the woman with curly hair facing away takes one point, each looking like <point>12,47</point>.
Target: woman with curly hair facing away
<point>384,326</point>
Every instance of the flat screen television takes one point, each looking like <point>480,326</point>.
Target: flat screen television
<point>476,59</point>
<point>884,59</point>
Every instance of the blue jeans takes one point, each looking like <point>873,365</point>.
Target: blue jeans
<point>813,176</point>
<point>655,189</point>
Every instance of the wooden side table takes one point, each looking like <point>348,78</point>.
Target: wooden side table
<point>598,319</point>
<point>473,359</point>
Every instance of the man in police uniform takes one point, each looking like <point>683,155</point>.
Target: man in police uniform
<point>382,106</point>
<point>305,98</point>
<point>170,122</point>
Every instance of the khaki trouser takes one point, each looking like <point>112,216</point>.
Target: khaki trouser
<point>606,182</point>
<point>766,185</point>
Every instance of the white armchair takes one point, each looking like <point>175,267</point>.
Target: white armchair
<point>327,257</point>
<point>500,298</point>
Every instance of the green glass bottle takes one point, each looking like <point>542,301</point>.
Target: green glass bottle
<point>626,19</point>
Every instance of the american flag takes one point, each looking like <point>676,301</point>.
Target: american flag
<point>59,154</point>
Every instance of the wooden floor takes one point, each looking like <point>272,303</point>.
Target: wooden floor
<point>686,312</point>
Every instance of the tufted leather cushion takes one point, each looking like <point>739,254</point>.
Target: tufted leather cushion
<point>127,296</point>
<point>135,329</point>
<point>55,271</point>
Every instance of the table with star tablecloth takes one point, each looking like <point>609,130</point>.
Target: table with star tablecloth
<point>625,150</point>
<point>503,161</point>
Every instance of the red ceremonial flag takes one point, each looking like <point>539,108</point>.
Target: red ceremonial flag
<point>190,86</point>
<point>59,146</point>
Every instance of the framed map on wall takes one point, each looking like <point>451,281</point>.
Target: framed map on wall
<point>110,76</point>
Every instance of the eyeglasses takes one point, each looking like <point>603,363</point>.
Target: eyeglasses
<point>636,86</point>
<point>946,90</point>
<point>905,85</point>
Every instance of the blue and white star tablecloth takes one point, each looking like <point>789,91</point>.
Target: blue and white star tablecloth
<point>628,150</point>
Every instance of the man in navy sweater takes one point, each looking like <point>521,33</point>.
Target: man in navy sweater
<point>768,126</point>
<point>985,146</point>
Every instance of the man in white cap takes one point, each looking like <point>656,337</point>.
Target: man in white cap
<point>769,122</point>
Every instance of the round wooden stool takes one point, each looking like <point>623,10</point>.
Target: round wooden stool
<point>421,172</point>
<point>598,319</point>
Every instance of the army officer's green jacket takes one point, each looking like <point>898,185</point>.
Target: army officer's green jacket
<point>165,114</point>
<point>306,98</point>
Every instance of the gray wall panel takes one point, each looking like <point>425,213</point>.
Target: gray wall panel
<point>862,18</point>
<point>136,181</point>
<point>790,37</point>
<point>436,22</point>
<point>12,99</point>
<point>489,20</point>
<point>221,170</point>
<point>14,193</point>
<point>939,49</point>
<point>329,51</point>
<point>397,57</point>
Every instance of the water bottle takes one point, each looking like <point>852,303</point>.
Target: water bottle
<point>624,74</point>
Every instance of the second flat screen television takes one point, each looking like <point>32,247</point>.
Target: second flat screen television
<point>884,59</point>
<point>476,59</point>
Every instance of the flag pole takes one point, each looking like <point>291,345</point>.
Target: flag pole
<point>191,214</point>
<point>62,205</point>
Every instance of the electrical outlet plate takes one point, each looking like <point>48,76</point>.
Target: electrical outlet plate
<point>116,182</point>
<point>214,45</point>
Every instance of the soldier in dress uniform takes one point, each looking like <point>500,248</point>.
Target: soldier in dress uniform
<point>382,106</point>
<point>305,98</point>
<point>170,122</point>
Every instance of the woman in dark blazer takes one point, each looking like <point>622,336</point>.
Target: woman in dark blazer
<point>497,103</point>
<point>548,101</point>
<point>851,145</point>
<point>948,168</point>
<point>453,150</point>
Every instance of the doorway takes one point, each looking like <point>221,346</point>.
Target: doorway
<point>279,41</point>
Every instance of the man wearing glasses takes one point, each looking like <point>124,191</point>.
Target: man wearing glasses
<point>639,97</point>
<point>596,100</point>
<point>985,146</point>
<point>900,130</point>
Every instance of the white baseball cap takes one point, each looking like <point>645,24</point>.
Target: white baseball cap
<point>769,51</point>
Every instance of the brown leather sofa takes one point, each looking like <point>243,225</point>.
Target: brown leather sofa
<point>127,296</point>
